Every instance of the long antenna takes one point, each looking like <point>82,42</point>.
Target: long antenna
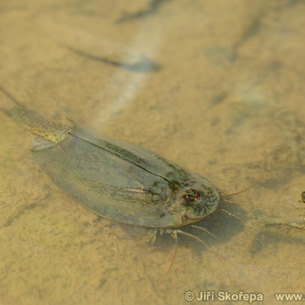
<point>10,96</point>
<point>205,230</point>
<point>175,236</point>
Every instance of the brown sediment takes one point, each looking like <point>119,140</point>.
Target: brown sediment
<point>227,69</point>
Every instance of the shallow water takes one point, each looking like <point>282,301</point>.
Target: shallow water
<point>215,86</point>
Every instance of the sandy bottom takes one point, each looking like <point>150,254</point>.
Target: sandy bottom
<point>215,86</point>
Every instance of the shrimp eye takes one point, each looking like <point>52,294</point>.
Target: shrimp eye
<point>191,196</point>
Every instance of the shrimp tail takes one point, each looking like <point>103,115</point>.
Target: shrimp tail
<point>36,124</point>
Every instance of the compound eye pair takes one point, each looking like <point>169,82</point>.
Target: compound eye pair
<point>191,195</point>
